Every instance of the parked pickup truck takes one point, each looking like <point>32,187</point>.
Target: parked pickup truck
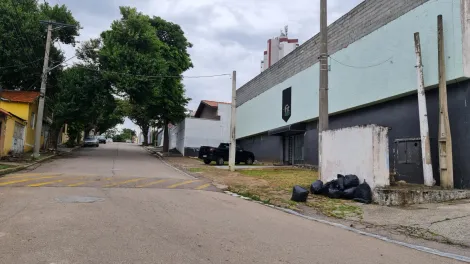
<point>220,154</point>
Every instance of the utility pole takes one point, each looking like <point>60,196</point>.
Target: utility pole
<point>42,94</point>
<point>446,166</point>
<point>423,117</point>
<point>45,71</point>
<point>323,88</point>
<point>231,159</point>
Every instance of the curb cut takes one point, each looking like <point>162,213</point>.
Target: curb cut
<point>360,232</point>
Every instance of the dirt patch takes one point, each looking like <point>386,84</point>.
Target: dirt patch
<point>270,185</point>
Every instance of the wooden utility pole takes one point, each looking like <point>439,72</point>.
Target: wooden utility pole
<point>42,94</point>
<point>231,160</point>
<point>445,140</point>
<point>423,117</point>
<point>323,88</point>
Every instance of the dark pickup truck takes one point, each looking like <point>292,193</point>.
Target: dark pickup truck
<point>220,154</point>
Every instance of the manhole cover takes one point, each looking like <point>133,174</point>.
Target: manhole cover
<point>79,199</point>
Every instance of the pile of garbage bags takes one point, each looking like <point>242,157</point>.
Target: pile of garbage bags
<point>344,187</point>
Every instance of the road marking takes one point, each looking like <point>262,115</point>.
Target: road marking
<point>25,180</point>
<point>124,182</point>
<point>77,184</point>
<point>43,183</point>
<point>202,187</point>
<point>181,183</point>
<point>151,183</point>
<point>14,176</point>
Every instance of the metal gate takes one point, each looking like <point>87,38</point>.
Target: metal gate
<point>18,138</point>
<point>408,161</point>
<point>294,149</point>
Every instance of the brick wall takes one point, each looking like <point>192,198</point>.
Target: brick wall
<point>365,18</point>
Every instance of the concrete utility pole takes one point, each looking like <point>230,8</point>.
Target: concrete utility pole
<point>45,71</point>
<point>445,139</point>
<point>323,88</point>
<point>231,159</point>
<point>423,117</point>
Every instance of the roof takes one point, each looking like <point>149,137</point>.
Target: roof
<point>213,104</point>
<point>19,96</point>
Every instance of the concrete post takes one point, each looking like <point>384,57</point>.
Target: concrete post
<point>423,117</point>
<point>231,161</point>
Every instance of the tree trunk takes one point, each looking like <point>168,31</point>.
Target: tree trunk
<point>55,133</point>
<point>166,138</point>
<point>145,132</point>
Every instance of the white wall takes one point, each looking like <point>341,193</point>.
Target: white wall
<point>362,151</point>
<point>389,51</point>
<point>177,137</point>
<point>203,132</point>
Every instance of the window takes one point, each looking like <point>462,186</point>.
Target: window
<point>33,120</point>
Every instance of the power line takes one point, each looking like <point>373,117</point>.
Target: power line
<point>154,76</point>
<point>20,65</point>
<point>362,67</point>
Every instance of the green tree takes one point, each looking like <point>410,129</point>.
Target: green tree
<point>137,47</point>
<point>23,42</point>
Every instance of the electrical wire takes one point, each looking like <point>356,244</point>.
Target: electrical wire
<point>154,76</point>
<point>362,67</point>
<point>20,65</point>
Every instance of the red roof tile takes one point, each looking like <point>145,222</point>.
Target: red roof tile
<point>20,96</point>
<point>213,103</point>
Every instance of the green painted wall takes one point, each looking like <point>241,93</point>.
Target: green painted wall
<point>384,67</point>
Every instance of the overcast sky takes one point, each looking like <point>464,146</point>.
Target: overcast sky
<point>227,35</point>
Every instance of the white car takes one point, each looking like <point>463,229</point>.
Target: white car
<point>109,140</point>
<point>128,141</point>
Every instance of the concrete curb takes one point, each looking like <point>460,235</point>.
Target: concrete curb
<point>360,232</point>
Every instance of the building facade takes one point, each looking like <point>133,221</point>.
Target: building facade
<point>373,80</point>
<point>209,126</point>
<point>278,48</point>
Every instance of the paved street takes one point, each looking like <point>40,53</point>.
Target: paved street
<point>108,222</point>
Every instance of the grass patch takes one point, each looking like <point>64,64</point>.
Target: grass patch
<point>196,170</point>
<point>3,167</point>
<point>284,179</point>
<point>335,208</point>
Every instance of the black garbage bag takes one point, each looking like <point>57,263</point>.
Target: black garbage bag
<point>326,187</point>
<point>349,193</point>
<point>299,194</point>
<point>334,193</point>
<point>351,181</point>
<point>340,182</point>
<point>363,193</point>
<point>316,187</point>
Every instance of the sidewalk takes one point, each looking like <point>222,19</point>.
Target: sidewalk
<point>445,223</point>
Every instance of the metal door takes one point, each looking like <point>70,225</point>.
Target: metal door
<point>408,161</point>
<point>18,138</point>
<point>298,147</point>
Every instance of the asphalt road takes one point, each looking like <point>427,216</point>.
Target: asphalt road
<point>68,225</point>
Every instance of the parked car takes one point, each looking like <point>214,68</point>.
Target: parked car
<point>91,141</point>
<point>102,139</point>
<point>221,153</point>
<point>128,141</point>
<point>110,140</point>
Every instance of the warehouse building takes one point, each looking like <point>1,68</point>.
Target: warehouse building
<point>373,80</point>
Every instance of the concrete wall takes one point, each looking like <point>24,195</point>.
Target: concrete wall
<point>372,60</point>
<point>362,151</point>
<point>203,132</point>
<point>177,134</point>
<point>265,148</point>
<point>208,112</point>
